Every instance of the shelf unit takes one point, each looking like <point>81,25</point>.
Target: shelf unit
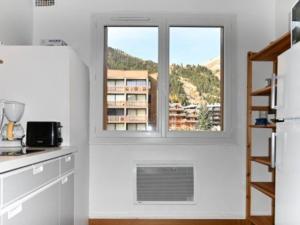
<point>269,54</point>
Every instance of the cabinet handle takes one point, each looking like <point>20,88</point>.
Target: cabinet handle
<point>38,169</point>
<point>68,159</point>
<point>273,92</point>
<point>15,211</point>
<point>273,150</point>
<point>64,180</point>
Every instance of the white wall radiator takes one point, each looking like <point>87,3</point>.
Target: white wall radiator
<point>165,184</point>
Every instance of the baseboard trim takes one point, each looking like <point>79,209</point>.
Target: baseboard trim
<point>165,222</point>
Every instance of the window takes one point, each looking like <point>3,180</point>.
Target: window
<point>131,61</point>
<point>163,76</point>
<point>195,79</point>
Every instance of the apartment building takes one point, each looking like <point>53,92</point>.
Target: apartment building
<point>130,100</point>
<point>182,118</point>
<point>187,117</point>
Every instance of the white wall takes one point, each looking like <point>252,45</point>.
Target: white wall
<point>221,168</point>
<point>16,21</point>
<point>283,8</point>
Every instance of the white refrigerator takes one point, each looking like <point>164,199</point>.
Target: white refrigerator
<point>287,139</point>
<point>53,82</point>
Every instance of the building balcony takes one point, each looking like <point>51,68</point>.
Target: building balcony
<point>136,119</point>
<point>137,104</point>
<point>177,121</point>
<point>136,90</point>
<point>119,90</point>
<point>116,119</point>
<point>191,121</point>
<point>177,115</point>
<point>127,119</point>
<point>128,89</point>
<point>116,104</point>
<point>128,104</point>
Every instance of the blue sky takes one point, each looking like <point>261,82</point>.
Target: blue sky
<point>188,45</point>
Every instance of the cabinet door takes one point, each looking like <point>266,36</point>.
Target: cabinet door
<point>42,208</point>
<point>289,84</point>
<point>67,200</point>
<point>287,174</point>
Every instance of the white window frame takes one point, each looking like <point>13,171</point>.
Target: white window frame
<point>162,133</point>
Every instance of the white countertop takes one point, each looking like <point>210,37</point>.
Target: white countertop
<point>8,163</point>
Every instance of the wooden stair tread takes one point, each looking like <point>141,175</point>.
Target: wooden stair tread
<point>267,188</point>
<point>260,108</point>
<point>262,159</point>
<point>269,126</point>
<point>273,50</point>
<point>265,91</point>
<point>261,220</point>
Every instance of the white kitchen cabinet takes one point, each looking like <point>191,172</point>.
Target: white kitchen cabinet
<point>20,182</point>
<point>66,164</point>
<point>67,200</point>
<point>47,197</point>
<point>41,208</point>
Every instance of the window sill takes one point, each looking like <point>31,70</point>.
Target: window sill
<point>224,140</point>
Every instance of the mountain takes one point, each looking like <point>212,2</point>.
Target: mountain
<point>214,65</point>
<point>119,60</point>
<point>189,84</point>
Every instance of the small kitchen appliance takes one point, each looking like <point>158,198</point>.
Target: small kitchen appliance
<point>43,134</point>
<point>12,133</point>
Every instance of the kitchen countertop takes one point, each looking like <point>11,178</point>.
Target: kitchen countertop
<point>8,163</point>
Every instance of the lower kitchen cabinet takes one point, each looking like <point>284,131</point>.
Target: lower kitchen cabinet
<point>49,204</point>
<point>67,200</point>
<point>41,208</point>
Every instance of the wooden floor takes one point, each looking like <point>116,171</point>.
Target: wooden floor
<point>164,222</point>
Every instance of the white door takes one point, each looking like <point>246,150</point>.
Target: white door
<point>288,174</point>
<point>288,84</point>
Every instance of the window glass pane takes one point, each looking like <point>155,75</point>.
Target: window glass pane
<point>196,79</point>
<point>111,98</point>
<point>119,83</point>
<point>111,83</point>
<point>141,98</point>
<point>131,63</point>
<point>111,127</point>
<point>120,98</point>
<point>141,112</point>
<point>131,97</point>
<point>120,126</point>
<point>141,127</point>
<point>131,112</point>
<point>131,127</point>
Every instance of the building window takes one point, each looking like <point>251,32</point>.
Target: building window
<point>163,76</point>
<point>196,79</point>
<point>131,62</point>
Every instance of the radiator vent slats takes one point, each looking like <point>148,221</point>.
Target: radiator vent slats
<point>165,184</point>
<point>40,3</point>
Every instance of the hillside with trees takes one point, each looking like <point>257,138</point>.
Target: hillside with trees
<point>119,60</point>
<point>202,78</point>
